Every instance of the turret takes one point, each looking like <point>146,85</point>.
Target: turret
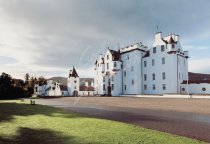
<point>73,82</point>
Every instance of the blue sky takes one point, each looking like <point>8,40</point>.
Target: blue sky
<point>47,37</point>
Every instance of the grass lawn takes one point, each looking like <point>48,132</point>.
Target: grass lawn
<point>22,123</point>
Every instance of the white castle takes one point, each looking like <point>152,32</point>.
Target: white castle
<point>137,69</point>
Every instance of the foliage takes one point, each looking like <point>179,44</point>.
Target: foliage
<point>11,88</point>
<point>23,123</point>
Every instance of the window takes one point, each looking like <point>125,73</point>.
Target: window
<point>132,68</point>
<point>153,87</point>
<point>112,86</point>
<point>163,60</point>
<point>145,77</point>
<point>164,86</point>
<point>132,82</point>
<point>115,64</point>
<point>153,62</point>
<point>184,63</point>
<point>107,65</point>
<point>124,73</point>
<point>75,87</point>
<point>107,57</point>
<point>162,48</point>
<point>125,87</point>
<point>112,77</point>
<point>203,89</point>
<point>145,87</point>
<point>163,75</point>
<point>154,49</point>
<point>128,57</point>
<point>173,46</point>
<point>75,81</point>
<point>183,89</point>
<point>103,79</point>
<point>145,63</point>
<point>104,87</point>
<point>153,76</point>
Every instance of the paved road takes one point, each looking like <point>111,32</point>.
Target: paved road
<point>155,114</point>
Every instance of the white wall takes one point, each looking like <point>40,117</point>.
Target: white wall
<point>86,93</point>
<point>98,78</point>
<point>132,68</point>
<point>73,85</point>
<point>197,88</point>
<point>175,64</point>
<point>65,93</point>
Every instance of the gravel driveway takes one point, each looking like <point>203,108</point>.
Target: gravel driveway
<point>185,117</point>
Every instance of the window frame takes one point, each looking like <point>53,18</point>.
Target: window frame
<point>145,77</point>
<point>154,50</point>
<point>163,60</point>
<point>153,62</point>
<point>153,76</point>
<point>162,48</point>
<point>164,86</point>
<point>153,87</point>
<point>163,75</point>
<point>145,87</point>
<point>145,63</point>
<point>132,82</point>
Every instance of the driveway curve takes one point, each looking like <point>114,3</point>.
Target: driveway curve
<point>184,117</point>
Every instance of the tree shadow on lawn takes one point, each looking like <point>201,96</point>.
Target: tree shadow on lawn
<point>9,110</point>
<point>37,136</point>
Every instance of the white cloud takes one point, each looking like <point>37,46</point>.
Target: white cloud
<point>47,37</point>
<point>192,47</point>
<point>199,65</point>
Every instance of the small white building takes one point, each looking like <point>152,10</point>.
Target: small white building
<point>71,86</point>
<point>79,86</point>
<point>197,84</point>
<point>52,88</point>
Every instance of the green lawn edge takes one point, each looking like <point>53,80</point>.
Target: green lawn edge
<point>21,123</point>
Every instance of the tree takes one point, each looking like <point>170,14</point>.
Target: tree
<point>27,76</point>
<point>41,81</point>
<point>5,85</point>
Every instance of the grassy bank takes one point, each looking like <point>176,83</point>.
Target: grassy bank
<point>23,123</point>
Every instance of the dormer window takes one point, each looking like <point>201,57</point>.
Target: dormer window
<point>173,46</point>
<point>107,57</point>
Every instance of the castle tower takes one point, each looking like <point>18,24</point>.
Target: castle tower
<point>73,83</point>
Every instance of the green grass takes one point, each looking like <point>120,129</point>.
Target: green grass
<point>36,124</point>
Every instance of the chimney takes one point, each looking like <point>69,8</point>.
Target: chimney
<point>158,36</point>
<point>176,38</point>
<point>100,56</point>
<point>86,84</point>
<point>92,84</point>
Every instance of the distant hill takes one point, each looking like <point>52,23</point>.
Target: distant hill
<point>61,80</point>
